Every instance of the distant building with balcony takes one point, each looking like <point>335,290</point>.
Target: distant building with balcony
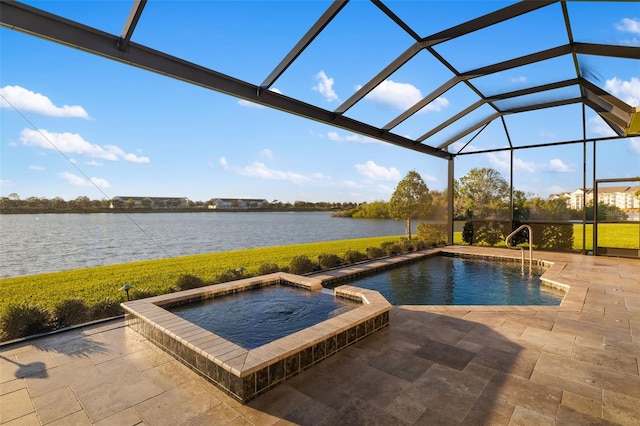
<point>156,203</point>
<point>623,197</point>
<point>237,203</point>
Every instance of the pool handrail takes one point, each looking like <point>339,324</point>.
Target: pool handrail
<point>508,243</point>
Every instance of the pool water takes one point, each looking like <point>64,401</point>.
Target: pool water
<point>442,280</point>
<point>254,318</point>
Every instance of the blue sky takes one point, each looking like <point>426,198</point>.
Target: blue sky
<point>67,115</point>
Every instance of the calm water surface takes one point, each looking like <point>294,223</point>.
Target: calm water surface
<point>256,317</point>
<point>33,244</point>
<point>442,280</point>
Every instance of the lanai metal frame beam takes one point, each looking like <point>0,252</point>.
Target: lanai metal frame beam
<point>487,20</point>
<point>130,25</point>
<point>615,112</point>
<point>302,44</point>
<point>34,21</point>
<point>574,49</point>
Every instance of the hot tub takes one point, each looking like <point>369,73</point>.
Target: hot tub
<point>247,373</point>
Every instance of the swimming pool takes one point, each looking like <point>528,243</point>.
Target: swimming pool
<point>246,373</point>
<point>254,318</point>
<point>444,280</point>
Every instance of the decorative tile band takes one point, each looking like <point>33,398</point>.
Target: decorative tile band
<point>245,374</point>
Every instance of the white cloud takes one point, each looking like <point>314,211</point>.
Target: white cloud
<point>500,160</point>
<point>385,189</point>
<point>320,176</point>
<point>634,144</point>
<point>351,184</point>
<point>438,104</point>
<point>102,183</point>
<point>558,166</point>
<point>26,100</point>
<point>223,163</point>
<point>76,180</point>
<point>397,95</point>
<point>335,136</point>
<point>74,143</point>
<point>325,87</point>
<point>372,171</point>
<point>629,25</point>
<point>628,91</point>
<point>555,189</point>
<point>93,163</point>
<point>36,168</point>
<point>634,41</point>
<point>403,96</point>
<point>260,170</point>
<point>519,79</point>
<point>5,182</point>
<point>520,165</point>
<point>598,126</point>
<point>457,146</point>
<point>266,153</point>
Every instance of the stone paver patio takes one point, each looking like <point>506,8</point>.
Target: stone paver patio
<point>573,364</point>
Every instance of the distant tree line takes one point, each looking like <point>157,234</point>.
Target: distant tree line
<point>482,198</point>
<point>482,194</point>
<point>83,204</point>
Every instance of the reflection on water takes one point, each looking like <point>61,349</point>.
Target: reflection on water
<point>32,244</point>
<point>442,280</point>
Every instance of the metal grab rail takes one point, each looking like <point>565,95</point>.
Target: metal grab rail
<point>511,235</point>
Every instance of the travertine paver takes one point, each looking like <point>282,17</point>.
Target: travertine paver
<point>572,364</point>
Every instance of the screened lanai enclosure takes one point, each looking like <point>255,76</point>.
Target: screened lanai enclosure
<point>534,87</point>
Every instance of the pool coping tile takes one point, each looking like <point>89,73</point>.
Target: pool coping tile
<point>210,354</point>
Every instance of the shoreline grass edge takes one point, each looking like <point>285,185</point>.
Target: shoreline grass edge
<point>94,284</point>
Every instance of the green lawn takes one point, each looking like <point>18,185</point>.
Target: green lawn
<point>620,235</point>
<point>97,283</point>
<point>158,276</point>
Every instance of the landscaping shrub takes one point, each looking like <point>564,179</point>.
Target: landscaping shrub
<point>490,233</point>
<point>328,260</point>
<point>406,245</point>
<point>353,256</point>
<point>420,245</point>
<point>96,283</point>
<point>553,237</point>
<point>432,234</point>
<point>24,319</point>
<point>268,268</point>
<point>301,264</point>
<point>189,281</point>
<point>229,275</point>
<point>374,252</point>
<point>391,248</point>
<point>521,237</point>
<point>467,232</point>
<point>70,312</point>
<point>106,308</point>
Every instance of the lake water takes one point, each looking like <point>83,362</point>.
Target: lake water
<point>33,244</point>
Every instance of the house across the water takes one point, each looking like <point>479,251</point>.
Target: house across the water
<point>237,203</point>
